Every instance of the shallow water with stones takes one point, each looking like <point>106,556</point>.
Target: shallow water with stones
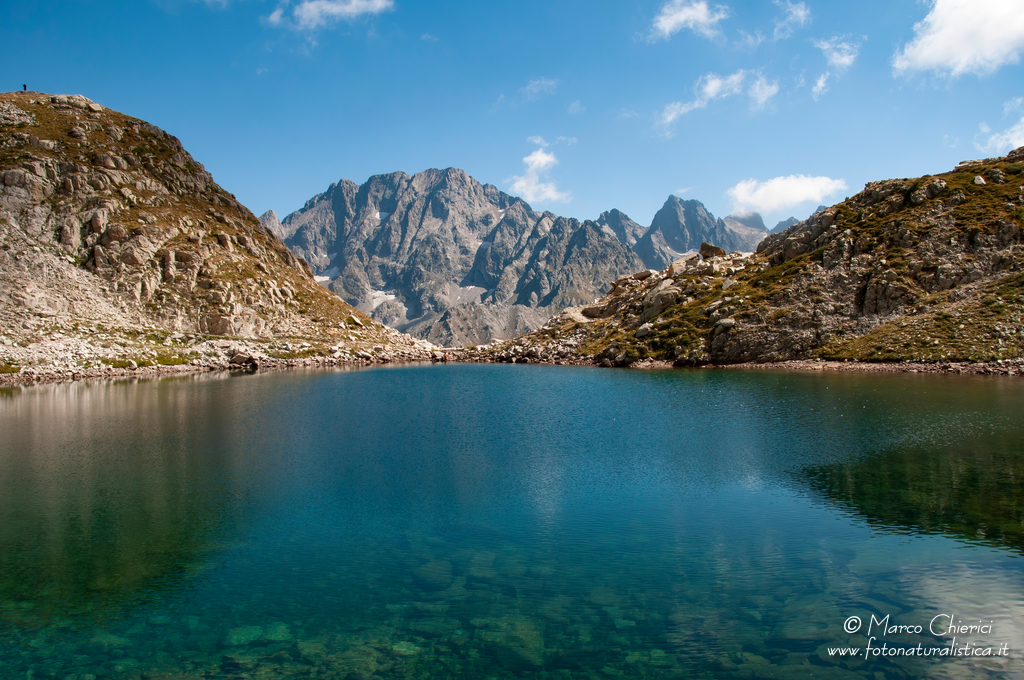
<point>498,521</point>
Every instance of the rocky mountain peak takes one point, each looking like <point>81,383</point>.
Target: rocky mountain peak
<point>752,220</point>
<point>444,257</point>
<point>625,229</point>
<point>680,226</point>
<point>272,224</point>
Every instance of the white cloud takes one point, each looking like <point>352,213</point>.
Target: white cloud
<point>1002,141</point>
<point>782,193</point>
<point>761,91</point>
<point>708,88</point>
<point>951,142</point>
<point>820,85</point>
<point>428,37</point>
<point>839,54</point>
<point>749,41</point>
<point>539,87</point>
<point>530,186</point>
<point>576,107</point>
<point>965,36</point>
<point>692,14</point>
<point>260,71</point>
<point>683,191</point>
<point>713,86</point>
<point>312,14</point>
<point>1013,105</point>
<point>541,142</point>
<point>796,16</point>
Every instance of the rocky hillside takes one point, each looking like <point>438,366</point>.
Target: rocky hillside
<point>928,269</point>
<point>443,257</point>
<point>116,243</point>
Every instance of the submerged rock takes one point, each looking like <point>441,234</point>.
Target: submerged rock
<point>406,648</point>
<point>243,635</point>
<point>277,632</point>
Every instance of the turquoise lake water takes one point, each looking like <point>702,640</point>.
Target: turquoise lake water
<point>500,521</point>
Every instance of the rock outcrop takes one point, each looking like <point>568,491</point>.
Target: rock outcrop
<point>445,258</point>
<point>109,226</point>
<point>928,269</point>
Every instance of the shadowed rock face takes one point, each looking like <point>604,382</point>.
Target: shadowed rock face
<point>107,218</point>
<point>681,226</point>
<point>446,258</point>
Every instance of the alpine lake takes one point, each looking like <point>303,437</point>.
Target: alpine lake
<point>500,521</point>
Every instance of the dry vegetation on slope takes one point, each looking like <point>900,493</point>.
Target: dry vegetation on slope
<point>108,227</point>
<point>929,269</point>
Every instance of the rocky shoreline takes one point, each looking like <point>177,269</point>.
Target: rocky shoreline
<point>1006,367</point>
<point>249,363</point>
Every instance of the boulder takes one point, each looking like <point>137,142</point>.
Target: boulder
<point>682,264</point>
<point>707,250</point>
<point>658,300</point>
<point>996,175</point>
<point>104,161</point>
<point>936,187</point>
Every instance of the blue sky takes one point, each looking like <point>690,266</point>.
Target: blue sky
<point>579,107</point>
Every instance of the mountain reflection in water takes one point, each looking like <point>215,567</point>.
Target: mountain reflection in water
<point>505,521</point>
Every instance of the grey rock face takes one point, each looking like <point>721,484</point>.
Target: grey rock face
<point>681,226</point>
<point>625,229</point>
<point>443,257</point>
<point>273,225</point>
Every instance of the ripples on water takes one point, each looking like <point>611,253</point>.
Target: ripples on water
<point>507,522</point>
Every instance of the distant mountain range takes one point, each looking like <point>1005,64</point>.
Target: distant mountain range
<point>790,221</point>
<point>446,258</point>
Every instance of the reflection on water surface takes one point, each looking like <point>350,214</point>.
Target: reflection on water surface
<point>507,522</point>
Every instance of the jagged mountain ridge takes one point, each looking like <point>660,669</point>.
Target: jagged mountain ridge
<point>107,221</point>
<point>928,269</point>
<point>443,257</point>
<point>446,258</point>
<point>680,226</point>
